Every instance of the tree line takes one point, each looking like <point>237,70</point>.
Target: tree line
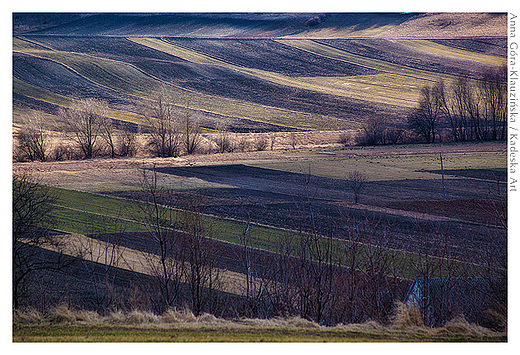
<point>464,110</point>
<point>166,132</point>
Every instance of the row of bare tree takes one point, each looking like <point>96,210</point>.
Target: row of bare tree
<point>168,134</point>
<point>96,134</point>
<point>469,110</point>
<point>465,110</point>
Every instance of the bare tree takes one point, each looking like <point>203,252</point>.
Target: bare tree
<point>459,120</point>
<point>256,284</point>
<point>493,259</point>
<point>424,119</point>
<point>261,143</point>
<point>192,133</point>
<point>127,144</point>
<point>314,267</point>
<point>32,207</point>
<point>86,119</point>
<point>448,108</point>
<point>244,144</point>
<point>199,257</point>
<point>160,224</point>
<point>373,131</point>
<point>292,140</point>
<point>223,140</point>
<point>107,134</point>
<point>164,127</point>
<point>103,247</point>
<point>356,180</point>
<point>32,138</point>
<point>272,139</point>
<point>493,91</point>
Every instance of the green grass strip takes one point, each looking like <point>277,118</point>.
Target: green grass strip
<point>118,333</point>
<point>86,213</point>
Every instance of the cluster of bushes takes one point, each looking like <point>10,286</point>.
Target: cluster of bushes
<point>378,131</point>
<point>92,133</point>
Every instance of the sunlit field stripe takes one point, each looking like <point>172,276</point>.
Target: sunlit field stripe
<point>48,96</point>
<point>384,88</point>
<point>78,245</point>
<point>124,77</point>
<point>441,49</point>
<point>317,84</point>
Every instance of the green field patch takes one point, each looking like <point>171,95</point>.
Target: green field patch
<point>338,54</point>
<point>238,333</point>
<point>38,93</point>
<point>391,89</point>
<point>89,212</point>
<point>23,88</point>
<point>85,213</point>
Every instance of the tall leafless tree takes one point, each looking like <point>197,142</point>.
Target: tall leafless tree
<point>127,145</point>
<point>424,118</point>
<point>160,224</point>
<point>192,133</point>
<point>356,180</point>
<point>493,92</point>
<point>102,246</point>
<point>32,205</point>
<point>33,140</point>
<point>107,134</point>
<point>223,140</point>
<point>373,131</point>
<point>314,268</point>
<point>165,132</point>
<point>256,281</point>
<point>86,119</point>
<point>198,255</point>
<point>459,120</point>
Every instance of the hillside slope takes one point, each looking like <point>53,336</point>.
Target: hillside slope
<point>314,72</point>
<point>258,25</point>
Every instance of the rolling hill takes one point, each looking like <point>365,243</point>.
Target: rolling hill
<point>265,25</point>
<point>255,71</point>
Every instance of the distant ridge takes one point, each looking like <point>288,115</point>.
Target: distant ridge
<point>263,25</point>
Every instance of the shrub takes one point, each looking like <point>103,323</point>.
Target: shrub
<point>261,143</point>
<point>407,316</point>
<point>61,314</point>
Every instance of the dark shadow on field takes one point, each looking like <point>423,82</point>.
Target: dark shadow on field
<point>278,198</point>
<point>81,283</point>
<point>268,180</point>
<point>485,174</point>
<point>321,188</point>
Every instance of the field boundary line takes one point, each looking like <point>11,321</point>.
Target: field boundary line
<point>286,230</point>
<point>272,77</point>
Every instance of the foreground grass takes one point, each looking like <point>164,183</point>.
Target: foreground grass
<point>64,325</point>
<point>120,333</point>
